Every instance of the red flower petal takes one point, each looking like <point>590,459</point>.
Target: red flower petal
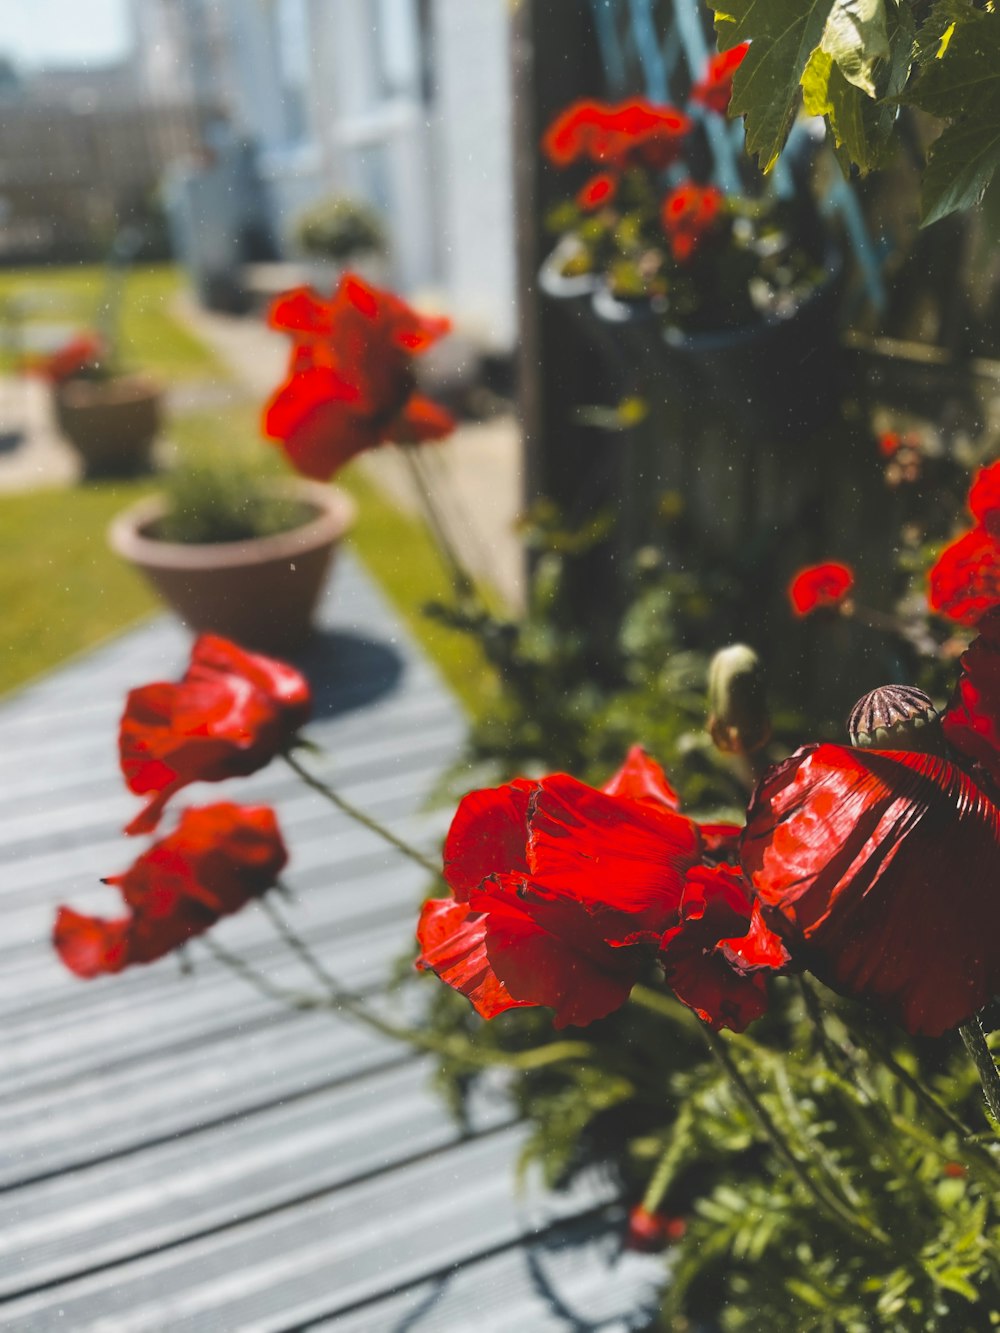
<point>688,215</point>
<point>965,582</point>
<point>984,498</point>
<point>972,721</point>
<point>453,946</point>
<point>641,778</point>
<point>712,958</point>
<point>624,860</point>
<point>547,949</point>
<point>420,420</point>
<point>301,312</point>
<point>880,866</point>
<point>651,1232</point>
<point>89,945</point>
<point>819,586</point>
<point>597,192</point>
<point>488,836</point>
<point>716,88</point>
<point>285,687</point>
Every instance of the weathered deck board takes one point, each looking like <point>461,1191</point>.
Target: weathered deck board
<point>180,1152</point>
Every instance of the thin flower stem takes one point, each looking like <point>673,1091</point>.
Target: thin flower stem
<point>360,817</point>
<point>260,983</point>
<point>335,999</point>
<point>460,577</point>
<point>664,1005</point>
<point>835,1057</point>
<point>975,1043</point>
<point>670,1160</point>
<point>299,947</point>
<point>842,1214</point>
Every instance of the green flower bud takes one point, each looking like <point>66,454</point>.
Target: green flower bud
<point>738,719</point>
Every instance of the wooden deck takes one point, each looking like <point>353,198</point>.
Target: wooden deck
<point>180,1152</point>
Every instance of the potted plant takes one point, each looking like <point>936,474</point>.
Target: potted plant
<point>110,416</point>
<point>236,550</point>
<point>337,232</point>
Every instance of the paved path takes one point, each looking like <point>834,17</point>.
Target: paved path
<point>180,1153</point>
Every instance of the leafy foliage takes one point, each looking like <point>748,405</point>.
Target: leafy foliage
<point>857,63</point>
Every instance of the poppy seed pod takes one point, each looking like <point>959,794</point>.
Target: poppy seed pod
<point>738,719</point>
<point>896,717</point>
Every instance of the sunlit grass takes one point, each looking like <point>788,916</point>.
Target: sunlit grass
<point>150,337</point>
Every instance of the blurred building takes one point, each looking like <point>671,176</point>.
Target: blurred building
<point>403,104</point>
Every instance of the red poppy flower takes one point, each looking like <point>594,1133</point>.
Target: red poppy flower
<point>651,1232</point>
<point>563,884</point>
<point>965,582</point>
<point>716,88</point>
<point>642,779</point>
<point>972,721</point>
<point>597,192</point>
<point>350,385</point>
<point>688,214</point>
<point>217,859</point>
<point>878,868</point>
<point>984,498</point>
<point>715,959</point>
<point>232,712</point>
<point>632,133</point>
<point>81,354</point>
<point>820,586</point>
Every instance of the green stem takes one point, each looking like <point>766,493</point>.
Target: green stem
<point>360,817</point>
<point>335,999</point>
<point>839,1211</point>
<point>975,1043</point>
<point>666,1006</point>
<point>461,579</point>
<point>670,1160</point>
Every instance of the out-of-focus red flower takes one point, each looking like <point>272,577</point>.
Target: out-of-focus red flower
<point>632,133</point>
<point>688,214</point>
<point>971,722</point>
<point>350,384</point>
<point>875,867</point>
<point>598,191</point>
<point>81,354</point>
<point>715,959</point>
<point>965,581</point>
<point>820,586</point>
<point>232,712</point>
<point>651,1232</point>
<point>716,88</point>
<point>984,498</point>
<point>563,884</point>
<point>217,859</point>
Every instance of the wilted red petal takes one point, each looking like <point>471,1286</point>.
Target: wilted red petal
<point>547,949</point>
<point>625,860</point>
<point>453,947</point>
<point>90,945</point>
<point>488,836</point>
<point>820,586</point>
<point>641,778</point>
<point>965,582</point>
<point>878,868</point>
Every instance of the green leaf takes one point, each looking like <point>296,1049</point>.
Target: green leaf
<point>857,37</point>
<point>961,83</point>
<point>784,34</point>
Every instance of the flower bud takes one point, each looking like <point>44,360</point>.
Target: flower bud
<point>738,720</point>
<point>896,717</point>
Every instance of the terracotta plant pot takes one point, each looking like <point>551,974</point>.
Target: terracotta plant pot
<point>262,593</point>
<point>111,423</point>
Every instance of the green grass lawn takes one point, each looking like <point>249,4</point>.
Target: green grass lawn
<point>61,588</point>
<point>150,338</point>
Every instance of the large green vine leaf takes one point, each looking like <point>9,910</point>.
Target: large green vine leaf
<point>960,82</point>
<point>766,90</point>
